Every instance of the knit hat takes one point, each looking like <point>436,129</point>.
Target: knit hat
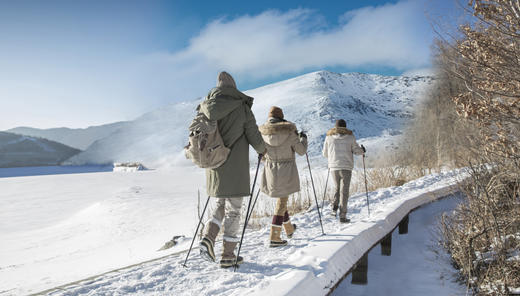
<point>341,123</point>
<point>276,112</point>
<point>224,79</point>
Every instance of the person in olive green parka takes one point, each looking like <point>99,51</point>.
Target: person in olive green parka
<point>229,182</point>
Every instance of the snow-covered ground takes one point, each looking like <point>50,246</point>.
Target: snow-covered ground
<point>60,229</point>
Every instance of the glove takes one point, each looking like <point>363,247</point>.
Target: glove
<point>261,155</point>
<point>364,150</point>
<point>302,135</point>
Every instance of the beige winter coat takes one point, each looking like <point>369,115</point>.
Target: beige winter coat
<point>280,177</point>
<point>339,147</point>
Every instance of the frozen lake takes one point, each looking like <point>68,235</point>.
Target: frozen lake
<point>417,265</point>
<point>53,170</point>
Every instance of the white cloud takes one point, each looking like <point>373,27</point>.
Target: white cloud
<point>251,47</point>
<point>274,43</point>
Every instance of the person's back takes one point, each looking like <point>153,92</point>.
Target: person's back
<point>340,145</point>
<point>230,181</point>
<point>282,141</point>
<point>237,126</point>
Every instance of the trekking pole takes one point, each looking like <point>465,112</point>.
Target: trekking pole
<point>315,197</point>
<point>197,230</point>
<point>247,212</point>
<point>254,203</point>
<point>366,186</point>
<point>325,191</point>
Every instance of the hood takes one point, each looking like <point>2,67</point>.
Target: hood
<point>222,100</point>
<point>275,134</point>
<point>340,131</point>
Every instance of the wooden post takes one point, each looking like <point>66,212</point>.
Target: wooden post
<point>403,225</point>
<point>386,245</point>
<point>359,274</point>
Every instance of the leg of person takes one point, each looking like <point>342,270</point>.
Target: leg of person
<point>345,184</point>
<point>231,232</point>
<point>337,182</point>
<point>287,225</point>
<point>207,243</point>
<point>276,226</point>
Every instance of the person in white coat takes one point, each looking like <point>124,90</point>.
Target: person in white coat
<point>339,149</point>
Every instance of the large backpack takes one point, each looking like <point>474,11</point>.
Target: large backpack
<point>206,147</point>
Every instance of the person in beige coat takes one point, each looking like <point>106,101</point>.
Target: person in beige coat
<point>339,147</point>
<point>280,176</point>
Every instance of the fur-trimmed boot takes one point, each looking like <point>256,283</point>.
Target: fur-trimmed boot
<point>228,255</point>
<point>207,243</point>
<point>289,228</point>
<point>276,241</point>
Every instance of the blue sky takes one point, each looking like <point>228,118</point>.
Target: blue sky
<point>82,63</point>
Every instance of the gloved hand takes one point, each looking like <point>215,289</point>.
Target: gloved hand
<point>261,155</point>
<point>302,135</point>
<point>364,150</point>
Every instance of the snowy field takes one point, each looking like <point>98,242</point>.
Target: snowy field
<point>60,228</point>
<point>63,228</point>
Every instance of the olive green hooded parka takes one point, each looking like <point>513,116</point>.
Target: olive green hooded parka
<point>237,126</point>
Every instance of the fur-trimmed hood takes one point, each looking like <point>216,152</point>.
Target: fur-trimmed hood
<point>275,134</point>
<point>339,131</point>
<point>276,128</point>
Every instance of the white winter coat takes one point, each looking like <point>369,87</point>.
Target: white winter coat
<point>339,147</point>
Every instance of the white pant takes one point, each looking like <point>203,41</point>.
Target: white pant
<point>228,209</point>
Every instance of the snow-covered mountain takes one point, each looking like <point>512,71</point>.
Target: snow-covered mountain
<point>79,138</point>
<point>19,150</point>
<point>372,105</point>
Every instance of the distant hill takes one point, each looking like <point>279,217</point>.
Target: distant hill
<point>19,150</point>
<point>374,106</point>
<point>79,138</point>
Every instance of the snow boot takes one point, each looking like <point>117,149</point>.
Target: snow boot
<point>228,255</point>
<point>344,220</point>
<point>206,244</point>
<point>276,241</point>
<point>289,228</point>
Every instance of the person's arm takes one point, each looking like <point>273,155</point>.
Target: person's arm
<point>356,149</point>
<point>253,135</point>
<point>325,150</point>
<point>299,143</point>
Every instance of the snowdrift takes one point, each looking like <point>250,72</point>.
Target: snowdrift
<point>310,265</point>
